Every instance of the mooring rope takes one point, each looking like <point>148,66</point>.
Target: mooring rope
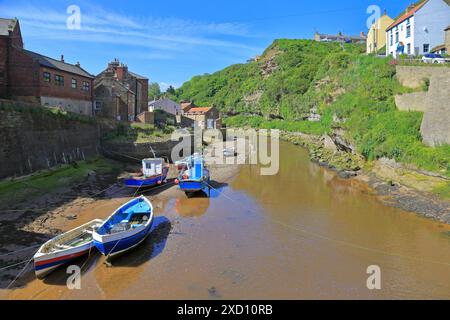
<point>341,242</point>
<point>19,274</point>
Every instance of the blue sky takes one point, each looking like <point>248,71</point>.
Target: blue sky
<point>171,41</point>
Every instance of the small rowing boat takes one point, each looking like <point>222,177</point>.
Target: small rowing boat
<point>64,248</point>
<point>195,177</point>
<point>154,172</point>
<point>126,228</point>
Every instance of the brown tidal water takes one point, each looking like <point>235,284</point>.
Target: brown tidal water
<point>301,234</point>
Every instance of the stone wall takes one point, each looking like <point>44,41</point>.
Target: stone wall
<point>415,101</point>
<point>146,117</point>
<point>32,139</point>
<point>435,103</point>
<point>75,106</point>
<point>435,126</point>
<point>133,151</point>
<point>413,77</point>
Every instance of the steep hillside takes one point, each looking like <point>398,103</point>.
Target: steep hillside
<point>275,86</point>
<point>300,79</point>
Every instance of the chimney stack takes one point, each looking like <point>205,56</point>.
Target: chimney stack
<point>385,12</point>
<point>78,64</point>
<point>362,34</point>
<point>62,58</point>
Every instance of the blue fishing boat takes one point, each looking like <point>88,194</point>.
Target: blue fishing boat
<point>126,228</point>
<point>195,177</point>
<point>154,172</point>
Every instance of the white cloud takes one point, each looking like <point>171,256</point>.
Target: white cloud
<point>103,26</point>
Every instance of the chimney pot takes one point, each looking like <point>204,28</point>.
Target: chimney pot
<point>62,58</point>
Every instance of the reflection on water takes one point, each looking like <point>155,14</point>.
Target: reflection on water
<point>192,207</point>
<point>127,268</point>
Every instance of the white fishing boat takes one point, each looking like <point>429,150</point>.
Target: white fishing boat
<point>64,248</point>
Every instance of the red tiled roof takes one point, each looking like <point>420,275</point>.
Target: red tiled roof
<point>407,14</point>
<point>199,110</point>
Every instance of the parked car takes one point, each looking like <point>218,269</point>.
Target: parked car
<point>433,58</point>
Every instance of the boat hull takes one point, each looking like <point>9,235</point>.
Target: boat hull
<point>43,265</point>
<point>192,186</point>
<point>113,245</point>
<point>49,257</point>
<point>145,183</point>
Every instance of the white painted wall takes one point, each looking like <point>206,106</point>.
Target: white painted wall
<point>427,27</point>
<point>431,20</point>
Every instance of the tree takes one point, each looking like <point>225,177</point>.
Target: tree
<point>154,90</point>
<point>170,90</point>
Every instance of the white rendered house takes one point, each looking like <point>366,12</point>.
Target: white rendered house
<point>419,29</point>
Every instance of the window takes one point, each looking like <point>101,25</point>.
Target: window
<point>392,40</point>
<point>85,86</point>
<point>59,80</point>
<point>46,76</point>
<point>98,105</point>
<point>396,37</point>
<point>408,48</point>
<point>426,47</point>
<point>74,83</point>
<point>408,31</point>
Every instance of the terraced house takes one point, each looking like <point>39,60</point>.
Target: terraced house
<point>31,77</point>
<point>419,29</point>
<point>376,37</point>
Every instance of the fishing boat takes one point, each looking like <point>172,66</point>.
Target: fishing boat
<point>195,177</point>
<point>154,172</point>
<point>64,248</point>
<point>126,228</point>
<point>183,164</point>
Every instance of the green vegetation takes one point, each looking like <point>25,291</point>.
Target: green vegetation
<point>443,191</point>
<point>138,133</point>
<point>45,181</point>
<point>349,90</point>
<point>154,91</point>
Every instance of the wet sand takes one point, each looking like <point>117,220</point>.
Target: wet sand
<point>304,233</point>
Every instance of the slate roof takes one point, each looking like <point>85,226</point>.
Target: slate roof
<point>57,64</point>
<point>137,76</point>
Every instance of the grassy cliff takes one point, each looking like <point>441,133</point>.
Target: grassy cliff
<point>350,90</point>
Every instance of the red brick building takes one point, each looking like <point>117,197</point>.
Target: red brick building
<point>109,92</point>
<point>32,77</point>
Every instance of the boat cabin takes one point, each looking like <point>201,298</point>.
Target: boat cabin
<point>152,167</point>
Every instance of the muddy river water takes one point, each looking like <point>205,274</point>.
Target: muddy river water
<point>303,233</point>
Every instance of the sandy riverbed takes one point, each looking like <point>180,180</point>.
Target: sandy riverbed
<point>72,207</point>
